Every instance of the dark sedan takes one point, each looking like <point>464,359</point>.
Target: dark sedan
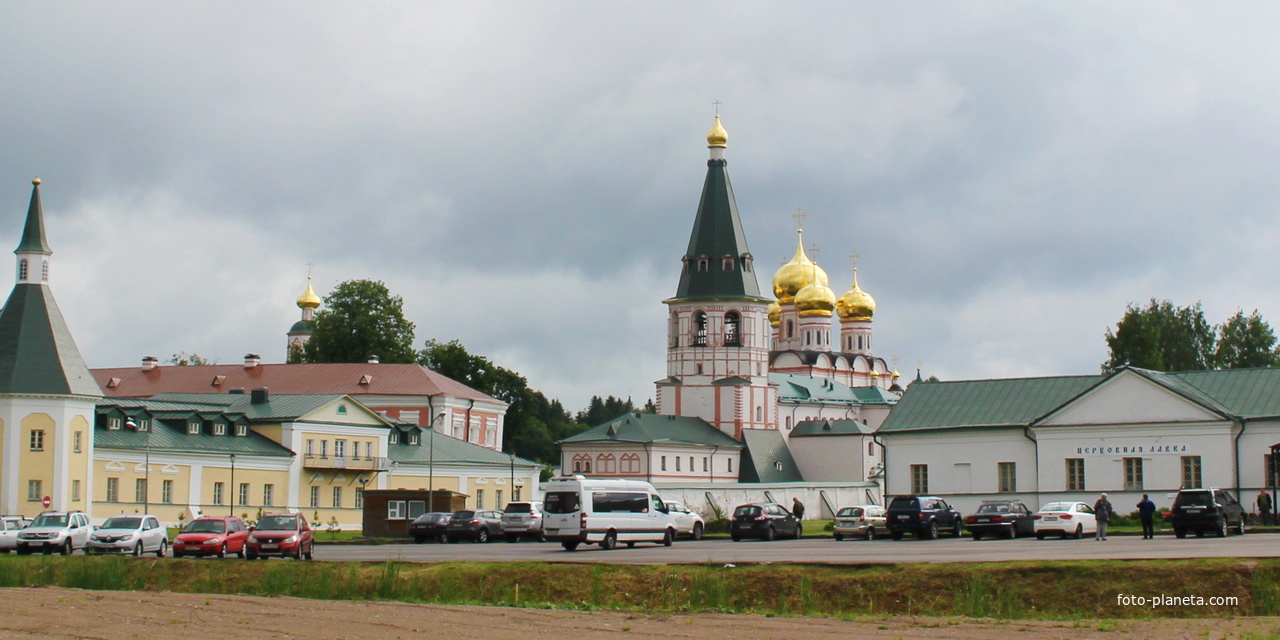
<point>764,520</point>
<point>480,525</point>
<point>1002,519</point>
<point>430,526</point>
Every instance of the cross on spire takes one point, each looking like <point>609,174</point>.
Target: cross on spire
<point>717,104</point>
<point>853,257</point>
<point>799,217</point>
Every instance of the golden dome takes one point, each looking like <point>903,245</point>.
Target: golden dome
<point>717,136</point>
<point>856,304</point>
<point>775,313</point>
<point>797,274</point>
<point>875,374</point>
<point>815,300</point>
<point>896,375</point>
<point>309,299</point>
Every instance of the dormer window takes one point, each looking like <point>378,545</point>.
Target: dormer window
<point>395,438</point>
<point>113,424</point>
<point>684,264</point>
<point>144,425</point>
<point>413,438</point>
<point>726,263</point>
<point>704,264</point>
<point>193,428</point>
<point>219,429</point>
<point>746,262</point>
<point>242,430</point>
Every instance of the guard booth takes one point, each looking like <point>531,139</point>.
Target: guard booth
<point>388,512</point>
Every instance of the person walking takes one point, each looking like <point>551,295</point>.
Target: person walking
<point>1102,512</point>
<point>1264,507</point>
<point>797,508</point>
<point>1146,513</point>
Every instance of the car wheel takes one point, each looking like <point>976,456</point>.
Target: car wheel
<point>871,533</point>
<point>67,549</point>
<point>482,536</point>
<point>697,531</point>
<point>931,533</point>
<point>137,550</point>
<point>735,537</point>
<point>956,532</point>
<point>799,531</point>
<point>177,554</point>
<point>1240,526</point>
<point>977,535</point>
<point>896,535</point>
<point>441,539</point>
<point>569,546</point>
<point>251,555</point>
<point>164,548</point>
<point>631,545</point>
<point>511,537</point>
<point>222,551</point>
<point>610,541</point>
<point>1222,528</point>
<point>1179,533</point>
<point>240,551</point>
<point>1199,533</point>
<point>453,540</point>
<point>668,538</point>
<point>540,536</point>
<point>1079,532</point>
<point>769,534</point>
<point>838,536</point>
<point>1039,535</point>
<point>419,539</point>
<point>307,555</point>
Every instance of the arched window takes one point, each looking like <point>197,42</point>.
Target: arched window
<point>605,462</point>
<point>732,329</point>
<point>791,329</point>
<point>704,264</point>
<point>871,448</point>
<point>699,329</point>
<point>759,414</point>
<point>22,269</point>
<point>630,463</point>
<point>726,263</point>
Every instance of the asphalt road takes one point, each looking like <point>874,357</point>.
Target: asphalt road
<point>821,551</point>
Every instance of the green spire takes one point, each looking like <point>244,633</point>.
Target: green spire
<point>717,263</point>
<point>33,233</point>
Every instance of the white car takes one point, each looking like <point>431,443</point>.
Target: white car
<point>61,531</point>
<point>9,528</point>
<point>1065,519</point>
<point>688,523</point>
<point>136,535</point>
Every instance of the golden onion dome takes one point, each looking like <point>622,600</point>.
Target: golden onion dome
<point>896,375</point>
<point>815,300</point>
<point>309,299</point>
<point>874,374</point>
<point>856,304</point>
<point>717,136</point>
<point>797,274</point>
<point>775,313</point>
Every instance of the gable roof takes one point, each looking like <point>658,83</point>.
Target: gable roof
<point>172,437</point>
<point>287,379</point>
<point>766,450</point>
<point>825,427</point>
<point>983,403</point>
<point>650,428</point>
<point>449,449</point>
<point>794,387</point>
<point>277,408</point>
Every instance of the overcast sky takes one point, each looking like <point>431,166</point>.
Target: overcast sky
<point>525,175</point>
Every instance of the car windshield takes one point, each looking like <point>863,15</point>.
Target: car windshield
<point>519,507</point>
<point>278,523</point>
<point>849,512</point>
<point>905,503</point>
<point>1057,506</point>
<point>49,521</point>
<point>1193,499</point>
<point>994,508</point>
<point>122,522</point>
<point>206,526</point>
<point>562,502</point>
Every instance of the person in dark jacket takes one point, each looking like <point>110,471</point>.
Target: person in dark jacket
<point>797,508</point>
<point>1102,511</point>
<point>1146,513</point>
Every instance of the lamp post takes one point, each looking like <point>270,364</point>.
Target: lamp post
<point>431,463</point>
<point>146,464</point>
<point>513,475</point>
<point>232,489</point>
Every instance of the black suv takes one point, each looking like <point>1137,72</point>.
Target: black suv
<point>1202,510</point>
<point>923,516</point>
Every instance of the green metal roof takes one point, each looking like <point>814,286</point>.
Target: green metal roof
<point>277,408</point>
<point>33,240</point>
<point>37,353</point>
<point>794,387</point>
<point>650,428</point>
<point>766,450</point>
<point>452,450</point>
<point>164,436</point>
<point>717,233</point>
<point>1242,393</point>
<point>825,427</point>
<point>982,403</point>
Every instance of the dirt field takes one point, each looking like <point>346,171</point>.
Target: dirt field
<point>45,612</point>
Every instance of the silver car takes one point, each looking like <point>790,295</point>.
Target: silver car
<point>9,528</point>
<point>61,531</point>
<point>137,534</point>
<point>688,522</point>
<point>522,519</point>
<point>862,521</point>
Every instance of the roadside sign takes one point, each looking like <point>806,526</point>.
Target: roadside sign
<point>47,501</point>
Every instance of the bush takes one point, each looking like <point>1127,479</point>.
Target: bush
<point>719,525</point>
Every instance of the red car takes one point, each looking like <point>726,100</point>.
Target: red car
<point>212,535</point>
<point>280,534</point>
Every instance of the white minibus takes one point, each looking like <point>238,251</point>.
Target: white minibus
<point>605,511</point>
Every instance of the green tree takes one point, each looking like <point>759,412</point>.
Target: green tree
<point>1245,341</point>
<point>184,359</point>
<point>1161,337</point>
<point>361,318</point>
<point>600,411</point>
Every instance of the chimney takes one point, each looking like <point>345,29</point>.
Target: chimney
<point>150,362</point>
<point>251,360</point>
<point>259,396</point>
<point>373,359</point>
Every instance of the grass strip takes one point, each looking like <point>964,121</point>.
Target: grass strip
<point>1059,590</point>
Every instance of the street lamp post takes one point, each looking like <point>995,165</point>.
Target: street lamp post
<point>146,465</point>
<point>431,463</point>
<point>513,475</point>
<point>232,489</point>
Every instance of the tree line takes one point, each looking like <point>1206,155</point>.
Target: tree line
<point>362,318</point>
<point>1163,337</point>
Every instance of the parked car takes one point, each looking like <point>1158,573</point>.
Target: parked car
<point>688,522</point>
<point>9,528</point>
<point>523,520</point>
<point>212,536</point>
<point>429,526</point>
<point>922,516</point>
<point>1201,510</point>
<point>605,511</point>
<point>862,521</point>
<point>62,531</point>
<point>137,534</point>
<point>478,525</point>
<point>1065,519</point>
<point>764,520</point>
<point>280,534</point>
<point>1002,519</point>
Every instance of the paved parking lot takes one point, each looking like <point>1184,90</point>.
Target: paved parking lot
<point>823,550</point>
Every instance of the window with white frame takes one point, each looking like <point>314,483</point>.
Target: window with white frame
<point>1133,474</point>
<point>268,495</point>
<point>77,439</point>
<point>140,490</point>
<point>37,439</point>
<point>337,497</point>
<point>166,492</point>
<point>1075,474</point>
<point>242,430</point>
<point>35,490</point>
<point>479,498</point>
<point>359,498</point>
<point>244,493</point>
<point>75,491</point>
<point>339,448</point>
<point>193,428</point>
<point>395,509</point>
<point>919,478</point>
<point>315,496</point>
<point>217,492</point>
<point>1191,472</point>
